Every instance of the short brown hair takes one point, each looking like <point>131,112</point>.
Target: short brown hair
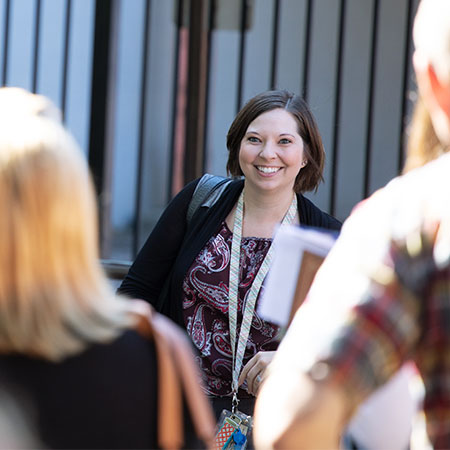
<point>310,176</point>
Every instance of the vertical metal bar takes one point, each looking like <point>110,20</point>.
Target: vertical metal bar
<point>140,166</point>
<point>373,55</point>
<point>337,106</point>
<point>37,23</point>
<point>243,26</point>
<point>306,49</point>
<point>6,41</point>
<point>102,111</point>
<point>274,58</point>
<point>180,12</point>
<point>211,26</point>
<point>197,80</point>
<point>67,24</point>
<point>406,72</point>
<point>103,12</point>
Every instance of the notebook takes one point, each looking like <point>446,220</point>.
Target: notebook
<point>298,253</point>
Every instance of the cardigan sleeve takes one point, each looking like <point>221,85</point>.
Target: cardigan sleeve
<point>153,264</point>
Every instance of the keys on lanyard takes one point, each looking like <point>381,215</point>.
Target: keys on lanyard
<point>232,434</point>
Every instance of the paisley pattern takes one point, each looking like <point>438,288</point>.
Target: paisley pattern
<point>205,307</point>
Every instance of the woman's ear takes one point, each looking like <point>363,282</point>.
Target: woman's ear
<point>433,90</point>
<point>435,93</point>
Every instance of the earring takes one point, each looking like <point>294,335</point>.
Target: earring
<point>304,163</point>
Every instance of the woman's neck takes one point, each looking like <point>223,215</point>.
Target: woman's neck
<point>266,206</point>
<point>263,211</point>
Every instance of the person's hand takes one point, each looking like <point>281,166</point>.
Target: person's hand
<point>254,370</point>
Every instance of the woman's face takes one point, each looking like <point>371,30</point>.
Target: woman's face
<point>271,152</point>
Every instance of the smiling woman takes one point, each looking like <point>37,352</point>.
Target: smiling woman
<point>207,274</point>
<point>271,153</point>
<point>288,112</point>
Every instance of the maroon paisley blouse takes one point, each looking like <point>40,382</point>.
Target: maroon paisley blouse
<point>205,308</point>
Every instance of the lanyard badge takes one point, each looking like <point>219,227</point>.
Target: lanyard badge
<point>233,432</point>
<point>235,427</point>
<point>239,349</point>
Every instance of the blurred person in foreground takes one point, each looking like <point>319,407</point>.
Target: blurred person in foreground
<point>382,296</point>
<point>69,347</point>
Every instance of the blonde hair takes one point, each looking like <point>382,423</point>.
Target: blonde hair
<point>423,143</point>
<point>54,296</point>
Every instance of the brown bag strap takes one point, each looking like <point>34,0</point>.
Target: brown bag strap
<point>177,373</point>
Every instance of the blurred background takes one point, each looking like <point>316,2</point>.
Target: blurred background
<point>150,87</point>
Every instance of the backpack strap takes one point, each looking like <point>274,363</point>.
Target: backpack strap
<point>178,376</point>
<point>206,193</point>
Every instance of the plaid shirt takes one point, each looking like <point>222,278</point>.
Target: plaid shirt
<point>382,297</point>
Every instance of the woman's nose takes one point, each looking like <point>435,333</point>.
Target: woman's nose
<point>268,151</point>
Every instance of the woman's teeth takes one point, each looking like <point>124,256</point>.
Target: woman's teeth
<point>267,169</point>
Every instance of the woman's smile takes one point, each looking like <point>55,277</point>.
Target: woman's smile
<point>268,170</point>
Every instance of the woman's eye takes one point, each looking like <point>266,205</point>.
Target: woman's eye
<point>253,139</point>
<point>285,141</point>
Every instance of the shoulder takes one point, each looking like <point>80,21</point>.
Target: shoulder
<point>128,340</point>
<point>126,367</point>
<point>409,201</point>
<point>213,194</point>
<point>186,193</point>
<point>212,183</point>
<point>313,216</point>
<point>176,209</point>
<point>128,357</point>
<point>206,184</point>
<point>415,201</point>
<point>226,197</point>
<point>234,188</point>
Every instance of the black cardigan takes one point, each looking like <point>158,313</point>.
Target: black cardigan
<point>158,272</point>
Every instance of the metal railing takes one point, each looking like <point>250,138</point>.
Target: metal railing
<point>317,64</point>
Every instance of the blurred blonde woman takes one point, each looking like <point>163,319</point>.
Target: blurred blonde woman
<point>67,343</point>
<point>383,292</point>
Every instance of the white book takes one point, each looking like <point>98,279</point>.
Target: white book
<point>298,253</point>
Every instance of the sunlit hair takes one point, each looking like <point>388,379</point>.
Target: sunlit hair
<point>310,176</point>
<point>423,144</point>
<point>431,34</point>
<point>54,297</point>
